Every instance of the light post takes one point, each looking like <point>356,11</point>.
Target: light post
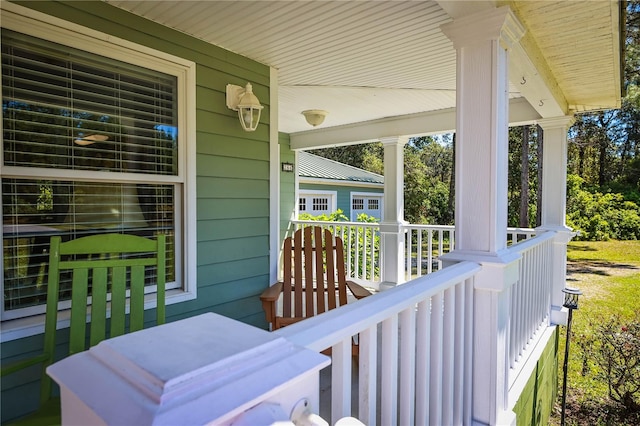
<point>571,303</point>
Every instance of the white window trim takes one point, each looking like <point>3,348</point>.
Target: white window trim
<point>37,24</point>
<point>331,195</point>
<point>365,195</point>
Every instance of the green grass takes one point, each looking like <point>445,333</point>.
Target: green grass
<point>609,251</point>
<point>608,273</point>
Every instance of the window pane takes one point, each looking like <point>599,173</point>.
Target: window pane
<point>358,204</point>
<point>66,108</point>
<point>320,203</point>
<point>36,210</point>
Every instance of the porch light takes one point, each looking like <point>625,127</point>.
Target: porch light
<point>315,117</point>
<point>571,297</point>
<point>570,302</point>
<point>243,100</point>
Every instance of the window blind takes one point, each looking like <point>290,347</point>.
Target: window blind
<point>72,110</point>
<point>67,108</point>
<point>36,210</point>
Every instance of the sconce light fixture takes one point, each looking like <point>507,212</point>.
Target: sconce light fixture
<point>90,139</point>
<point>243,100</point>
<point>315,117</point>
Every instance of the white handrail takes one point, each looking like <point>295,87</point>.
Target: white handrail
<point>423,246</point>
<point>433,315</point>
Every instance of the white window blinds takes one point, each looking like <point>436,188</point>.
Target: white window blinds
<point>67,108</point>
<point>93,119</point>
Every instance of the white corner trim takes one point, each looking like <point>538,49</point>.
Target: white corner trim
<point>274,177</point>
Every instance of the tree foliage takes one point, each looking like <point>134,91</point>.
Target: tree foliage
<point>603,165</point>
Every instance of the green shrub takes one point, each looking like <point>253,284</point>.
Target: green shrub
<point>600,217</point>
<point>612,353</point>
<point>354,241</point>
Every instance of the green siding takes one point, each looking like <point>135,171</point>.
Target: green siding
<point>343,193</point>
<point>536,402</point>
<point>232,181</point>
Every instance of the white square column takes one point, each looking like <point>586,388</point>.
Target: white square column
<point>206,369</point>
<point>554,205</point>
<point>392,227</point>
<point>482,42</point>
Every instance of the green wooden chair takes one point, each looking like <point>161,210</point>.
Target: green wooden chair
<point>101,266</point>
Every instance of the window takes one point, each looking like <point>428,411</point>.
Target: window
<point>302,204</point>
<point>373,204</point>
<point>320,204</point>
<point>357,204</point>
<point>91,144</point>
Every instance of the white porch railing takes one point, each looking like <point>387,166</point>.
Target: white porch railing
<point>415,347</point>
<point>431,351</point>
<point>424,244</point>
<point>361,242</point>
<point>530,298</point>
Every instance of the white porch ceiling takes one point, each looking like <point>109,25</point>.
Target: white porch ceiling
<point>372,60</point>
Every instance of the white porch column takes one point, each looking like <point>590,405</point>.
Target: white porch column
<point>482,42</point>
<point>392,225</point>
<point>554,202</point>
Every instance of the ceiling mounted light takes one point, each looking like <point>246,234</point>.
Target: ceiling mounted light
<point>243,100</point>
<point>90,139</point>
<point>315,117</point>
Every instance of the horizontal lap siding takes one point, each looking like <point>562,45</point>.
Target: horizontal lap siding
<point>535,404</point>
<point>232,177</point>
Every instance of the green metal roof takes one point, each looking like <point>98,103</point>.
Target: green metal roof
<point>314,167</point>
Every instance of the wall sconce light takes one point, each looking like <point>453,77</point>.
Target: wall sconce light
<point>287,167</point>
<point>243,100</point>
<point>315,117</point>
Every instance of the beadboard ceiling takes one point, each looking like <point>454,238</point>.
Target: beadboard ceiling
<point>367,60</point>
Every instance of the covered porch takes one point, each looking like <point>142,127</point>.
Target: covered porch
<point>466,315</point>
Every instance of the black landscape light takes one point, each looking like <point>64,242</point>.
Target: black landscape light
<point>570,302</point>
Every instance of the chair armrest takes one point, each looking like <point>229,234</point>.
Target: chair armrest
<point>272,293</point>
<point>358,291</point>
<point>269,298</point>
<point>19,365</point>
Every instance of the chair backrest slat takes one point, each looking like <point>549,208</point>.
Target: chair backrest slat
<point>287,278</point>
<point>320,237</point>
<point>314,273</point>
<point>79,296</point>
<point>298,264</point>
<point>99,292</point>
<point>136,316</point>
<point>118,301</point>
<point>312,246</point>
<point>105,264</point>
<point>342,280</point>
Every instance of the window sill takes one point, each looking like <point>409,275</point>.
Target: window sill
<point>34,325</point>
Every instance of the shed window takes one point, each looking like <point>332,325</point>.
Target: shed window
<point>321,203</point>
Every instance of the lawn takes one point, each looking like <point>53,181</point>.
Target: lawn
<point>608,274</point>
